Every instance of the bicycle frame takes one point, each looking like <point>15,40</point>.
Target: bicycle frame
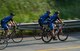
<point>59,26</point>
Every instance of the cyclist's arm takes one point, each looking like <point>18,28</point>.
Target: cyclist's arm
<point>60,20</point>
<point>12,22</point>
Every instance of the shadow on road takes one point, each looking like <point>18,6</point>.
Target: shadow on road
<point>39,42</point>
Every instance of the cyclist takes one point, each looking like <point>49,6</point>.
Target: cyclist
<point>43,19</point>
<point>4,23</point>
<point>52,19</point>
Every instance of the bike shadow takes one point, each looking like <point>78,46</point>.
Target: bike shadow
<point>38,43</point>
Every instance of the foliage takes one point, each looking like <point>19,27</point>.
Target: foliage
<point>30,10</point>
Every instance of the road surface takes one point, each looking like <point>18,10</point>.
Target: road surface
<point>30,44</point>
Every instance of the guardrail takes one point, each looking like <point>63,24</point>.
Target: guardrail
<point>33,26</point>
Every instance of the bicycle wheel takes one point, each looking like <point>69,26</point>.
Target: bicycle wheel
<point>17,36</point>
<point>62,36</point>
<point>3,42</point>
<point>37,35</point>
<point>46,36</point>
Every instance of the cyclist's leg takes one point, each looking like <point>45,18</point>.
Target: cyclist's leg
<point>5,29</point>
<point>41,24</point>
<point>52,28</point>
<point>52,25</point>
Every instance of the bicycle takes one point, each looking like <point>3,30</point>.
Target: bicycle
<point>13,35</point>
<point>3,40</point>
<point>47,35</point>
<point>16,35</point>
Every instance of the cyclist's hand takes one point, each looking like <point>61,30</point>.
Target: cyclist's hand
<point>9,25</point>
<point>13,25</point>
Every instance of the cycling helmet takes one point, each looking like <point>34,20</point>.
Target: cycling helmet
<point>48,11</point>
<point>12,14</point>
<point>57,12</point>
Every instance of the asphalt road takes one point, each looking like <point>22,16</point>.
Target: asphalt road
<point>30,44</point>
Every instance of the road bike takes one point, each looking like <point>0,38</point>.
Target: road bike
<point>47,35</point>
<point>14,34</point>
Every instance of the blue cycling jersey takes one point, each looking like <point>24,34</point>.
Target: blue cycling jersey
<point>6,19</point>
<point>44,17</point>
<point>53,18</point>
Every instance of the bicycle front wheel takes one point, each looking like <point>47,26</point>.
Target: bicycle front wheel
<point>62,36</point>
<point>46,37</point>
<point>3,42</point>
<point>17,36</point>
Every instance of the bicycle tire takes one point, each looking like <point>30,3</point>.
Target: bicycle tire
<point>37,36</point>
<point>62,36</point>
<point>3,41</point>
<point>17,36</point>
<point>47,35</point>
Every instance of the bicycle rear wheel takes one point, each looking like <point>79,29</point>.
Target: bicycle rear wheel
<point>62,36</point>
<point>3,42</point>
<point>17,36</point>
<point>46,36</point>
<point>37,35</point>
